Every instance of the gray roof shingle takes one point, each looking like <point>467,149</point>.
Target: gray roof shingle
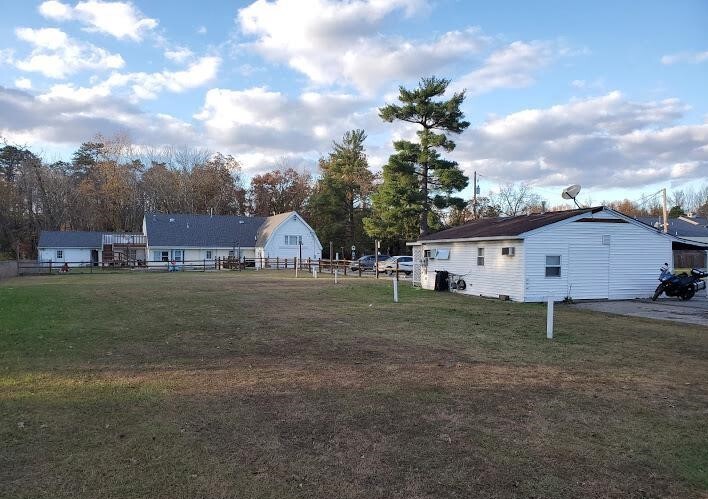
<point>505,226</point>
<point>201,231</point>
<point>679,226</point>
<point>66,239</point>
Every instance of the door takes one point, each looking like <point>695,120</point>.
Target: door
<point>589,270</point>
<point>94,257</point>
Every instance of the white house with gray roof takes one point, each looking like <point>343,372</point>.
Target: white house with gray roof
<point>176,237</point>
<point>185,238</point>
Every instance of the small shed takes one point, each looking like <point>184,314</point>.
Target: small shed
<point>588,253</point>
<point>76,248</point>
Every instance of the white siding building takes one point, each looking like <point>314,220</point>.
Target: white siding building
<point>185,239</point>
<point>593,253</point>
<point>199,238</point>
<point>74,248</point>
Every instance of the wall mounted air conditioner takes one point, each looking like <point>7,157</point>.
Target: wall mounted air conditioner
<point>508,251</point>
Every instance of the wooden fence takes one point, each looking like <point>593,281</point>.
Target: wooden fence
<point>688,259</point>
<point>342,267</point>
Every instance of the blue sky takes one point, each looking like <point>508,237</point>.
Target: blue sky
<point>607,94</point>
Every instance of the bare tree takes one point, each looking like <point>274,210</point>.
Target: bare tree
<point>515,199</point>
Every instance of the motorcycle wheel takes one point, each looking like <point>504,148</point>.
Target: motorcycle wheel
<point>688,294</point>
<point>657,293</point>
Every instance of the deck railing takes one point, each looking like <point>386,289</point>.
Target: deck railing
<point>125,239</point>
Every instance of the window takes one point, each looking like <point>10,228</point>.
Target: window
<point>293,240</point>
<point>553,266</point>
<point>208,255</point>
<point>60,254</point>
<point>442,254</point>
<point>231,254</point>
<point>177,255</point>
<point>164,256</point>
<point>480,257</point>
<point>132,254</point>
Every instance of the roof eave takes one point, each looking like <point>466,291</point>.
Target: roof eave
<point>467,240</point>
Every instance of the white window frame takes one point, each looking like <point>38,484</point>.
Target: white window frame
<point>554,266</point>
<point>60,254</point>
<point>480,257</point>
<point>175,252</point>
<point>289,240</point>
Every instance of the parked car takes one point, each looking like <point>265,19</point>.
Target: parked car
<point>366,262</point>
<point>405,264</point>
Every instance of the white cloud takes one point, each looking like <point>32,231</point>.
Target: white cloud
<point>56,55</point>
<point>579,83</point>
<point>149,85</point>
<point>141,85</point>
<point>202,30</point>
<point>605,141</point>
<point>513,66</point>
<point>178,54</point>
<point>55,10</point>
<point>257,120</point>
<point>23,83</point>
<point>118,19</point>
<point>332,42</point>
<point>685,57</point>
<point>64,116</point>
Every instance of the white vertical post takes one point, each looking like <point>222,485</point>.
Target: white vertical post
<point>395,290</point>
<point>336,272</point>
<point>549,319</point>
<point>314,273</point>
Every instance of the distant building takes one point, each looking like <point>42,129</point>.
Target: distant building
<point>184,238</point>
<point>690,226</point>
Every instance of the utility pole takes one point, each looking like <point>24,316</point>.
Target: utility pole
<point>663,209</point>
<point>475,193</point>
<point>474,196</point>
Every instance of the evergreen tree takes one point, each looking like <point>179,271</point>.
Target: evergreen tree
<point>419,179</point>
<point>340,199</point>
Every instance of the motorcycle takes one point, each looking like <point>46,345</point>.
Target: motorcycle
<point>682,285</point>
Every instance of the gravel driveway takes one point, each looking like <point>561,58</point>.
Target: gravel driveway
<point>694,311</point>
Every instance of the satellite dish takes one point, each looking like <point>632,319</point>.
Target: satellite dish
<point>571,192</point>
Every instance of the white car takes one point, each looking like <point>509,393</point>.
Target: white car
<point>405,265</point>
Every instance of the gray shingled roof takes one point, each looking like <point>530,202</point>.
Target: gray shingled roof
<point>65,239</point>
<point>505,226</point>
<point>679,227</point>
<point>201,231</point>
<point>269,225</point>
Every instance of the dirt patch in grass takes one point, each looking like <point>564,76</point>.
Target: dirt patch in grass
<point>252,385</point>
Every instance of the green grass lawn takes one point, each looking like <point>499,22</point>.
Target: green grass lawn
<point>253,384</point>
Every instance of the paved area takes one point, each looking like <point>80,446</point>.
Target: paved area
<point>694,311</point>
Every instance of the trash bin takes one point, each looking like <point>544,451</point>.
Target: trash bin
<point>441,280</point>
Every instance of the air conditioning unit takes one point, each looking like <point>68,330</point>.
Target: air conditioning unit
<point>509,251</point>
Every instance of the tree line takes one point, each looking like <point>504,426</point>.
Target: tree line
<point>109,184</point>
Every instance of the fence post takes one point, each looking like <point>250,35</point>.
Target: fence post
<point>549,319</point>
<point>309,264</point>
<point>295,265</point>
<point>50,266</point>
<point>277,263</point>
<point>345,268</point>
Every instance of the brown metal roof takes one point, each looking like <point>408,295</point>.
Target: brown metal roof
<point>506,226</point>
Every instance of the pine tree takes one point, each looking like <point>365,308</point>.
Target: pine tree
<point>419,179</point>
<point>341,197</point>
